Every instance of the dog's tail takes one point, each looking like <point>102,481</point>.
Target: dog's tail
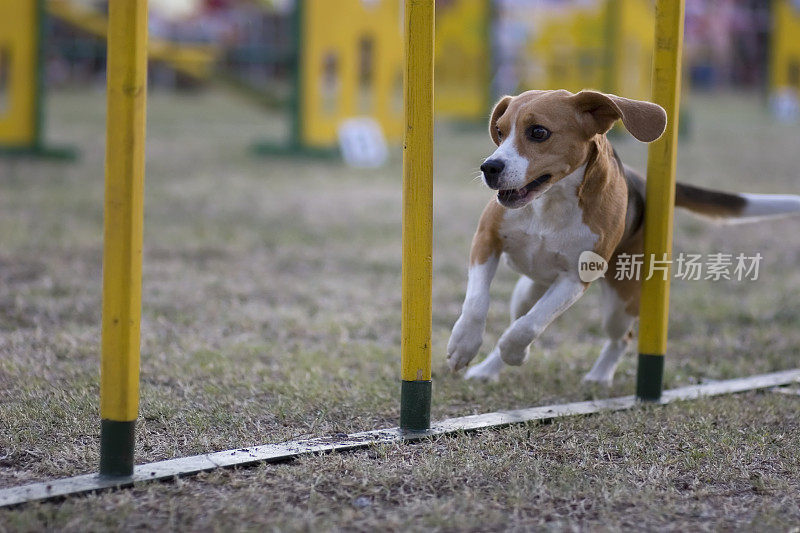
<point>732,207</point>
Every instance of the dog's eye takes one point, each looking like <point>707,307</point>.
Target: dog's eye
<point>538,133</point>
<point>499,133</point>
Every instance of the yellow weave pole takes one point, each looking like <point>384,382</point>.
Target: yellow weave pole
<point>654,309</point>
<point>122,249</point>
<point>415,398</point>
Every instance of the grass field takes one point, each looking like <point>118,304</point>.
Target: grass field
<point>271,312</point>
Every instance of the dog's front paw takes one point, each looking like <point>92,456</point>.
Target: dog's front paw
<point>465,341</point>
<point>514,345</point>
<point>487,371</point>
<point>475,374</point>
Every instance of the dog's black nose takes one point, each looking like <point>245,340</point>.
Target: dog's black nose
<point>491,169</point>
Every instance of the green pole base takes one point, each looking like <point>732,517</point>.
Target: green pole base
<point>117,441</point>
<point>650,377</point>
<point>415,405</point>
<point>62,153</point>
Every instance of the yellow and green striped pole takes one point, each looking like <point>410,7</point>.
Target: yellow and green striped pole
<point>122,248</point>
<point>654,309</point>
<point>415,397</point>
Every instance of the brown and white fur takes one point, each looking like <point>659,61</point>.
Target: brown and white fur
<point>563,190</point>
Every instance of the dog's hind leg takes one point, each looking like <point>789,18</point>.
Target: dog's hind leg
<point>526,293</point>
<point>617,323</point>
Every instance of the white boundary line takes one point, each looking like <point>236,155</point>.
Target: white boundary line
<point>791,391</point>
<point>271,453</point>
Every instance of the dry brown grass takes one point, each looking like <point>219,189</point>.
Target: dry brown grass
<point>271,312</point>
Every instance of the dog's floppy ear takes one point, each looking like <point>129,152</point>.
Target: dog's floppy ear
<point>644,120</point>
<point>498,111</point>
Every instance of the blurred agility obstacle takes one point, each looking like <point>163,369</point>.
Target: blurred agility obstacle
<point>784,74</point>
<point>22,29</point>
<point>348,58</point>
<point>463,59</point>
<point>340,71</point>
<point>191,59</point>
<point>573,45</point>
<point>21,82</point>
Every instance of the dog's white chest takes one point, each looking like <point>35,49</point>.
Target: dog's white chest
<point>544,239</point>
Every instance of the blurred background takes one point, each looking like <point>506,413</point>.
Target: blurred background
<point>323,62</point>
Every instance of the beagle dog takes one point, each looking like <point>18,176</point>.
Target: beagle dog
<point>562,190</point>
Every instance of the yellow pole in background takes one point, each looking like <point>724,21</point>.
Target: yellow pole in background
<point>122,248</point>
<point>415,398</point>
<point>22,87</point>
<point>654,309</point>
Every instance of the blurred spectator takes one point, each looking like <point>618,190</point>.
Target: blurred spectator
<point>726,42</point>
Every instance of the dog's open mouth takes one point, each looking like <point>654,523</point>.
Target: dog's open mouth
<point>517,197</point>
